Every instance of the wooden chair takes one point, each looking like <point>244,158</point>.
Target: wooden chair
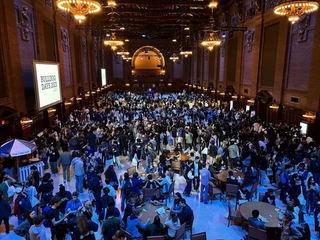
<point>189,228</point>
<point>155,238</point>
<point>179,233</point>
<point>254,189</point>
<point>176,166</point>
<point>171,175</point>
<point>199,236</point>
<point>131,171</point>
<point>148,192</point>
<point>213,191</point>
<point>127,235</point>
<point>232,215</point>
<point>171,190</point>
<point>231,190</point>
<point>261,196</point>
<point>256,233</point>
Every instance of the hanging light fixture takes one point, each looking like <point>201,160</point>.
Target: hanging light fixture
<point>79,8</point>
<point>213,4</point>
<point>126,58</point>
<point>186,51</point>
<point>113,42</point>
<point>123,52</point>
<point>211,41</point>
<point>293,9</point>
<point>174,57</point>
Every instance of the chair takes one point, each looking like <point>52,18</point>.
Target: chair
<point>254,189</point>
<point>148,192</point>
<point>171,175</point>
<point>171,190</point>
<point>156,238</point>
<point>175,166</point>
<point>256,233</point>
<point>261,194</point>
<point>213,191</point>
<point>127,235</point>
<point>189,228</point>
<point>199,236</point>
<point>131,170</point>
<point>179,233</point>
<point>232,215</point>
<point>231,190</point>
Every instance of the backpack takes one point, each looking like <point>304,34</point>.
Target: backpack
<point>304,229</point>
<point>46,222</point>
<point>127,189</point>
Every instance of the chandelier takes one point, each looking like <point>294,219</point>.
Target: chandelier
<point>211,41</point>
<point>174,57</point>
<point>79,8</point>
<point>186,51</point>
<point>123,52</point>
<point>126,58</point>
<point>293,9</point>
<point>113,42</point>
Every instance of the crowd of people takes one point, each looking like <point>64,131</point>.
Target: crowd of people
<point>144,129</point>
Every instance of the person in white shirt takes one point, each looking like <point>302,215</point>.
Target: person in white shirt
<point>36,231</point>
<point>112,191</point>
<point>173,224</point>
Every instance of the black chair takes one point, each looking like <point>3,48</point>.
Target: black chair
<point>256,233</point>
<point>190,226</point>
<point>213,191</point>
<point>179,233</point>
<point>232,215</point>
<point>231,190</point>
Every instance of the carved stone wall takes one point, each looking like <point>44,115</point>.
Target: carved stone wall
<point>247,59</point>
<point>300,52</point>
<point>66,56</point>
<point>85,60</point>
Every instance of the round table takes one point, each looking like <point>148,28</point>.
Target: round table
<point>268,211</point>
<point>148,211</point>
<point>223,175</point>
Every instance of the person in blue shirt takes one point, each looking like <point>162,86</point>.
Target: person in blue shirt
<point>134,222</point>
<point>72,207</point>
<point>302,172</point>
<point>284,183</point>
<point>255,222</point>
<point>137,183</point>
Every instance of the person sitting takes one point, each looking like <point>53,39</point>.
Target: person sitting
<point>140,200</point>
<point>165,182</point>
<point>231,179</point>
<point>150,168</point>
<point>269,197</point>
<point>150,183</point>
<point>255,222</point>
<point>22,229</point>
<point>176,203</point>
<point>134,222</point>
<point>186,213</point>
<point>173,224</point>
<point>155,228</point>
<point>243,195</point>
<point>158,198</point>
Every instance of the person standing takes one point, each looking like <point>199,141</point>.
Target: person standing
<point>36,231</point>
<point>77,164</point>
<point>5,211</point>
<point>233,153</point>
<point>111,225</point>
<point>72,207</point>
<point>205,176</point>
<point>54,155</point>
<point>65,160</point>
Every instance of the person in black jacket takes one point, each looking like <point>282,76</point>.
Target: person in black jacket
<point>186,213</point>
<point>65,196</point>
<point>231,179</point>
<point>5,211</point>
<point>54,156</point>
<point>269,197</point>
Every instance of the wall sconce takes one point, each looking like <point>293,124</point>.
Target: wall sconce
<point>93,92</point>
<point>250,100</point>
<point>212,91</point>
<point>234,96</point>
<point>127,84</point>
<point>309,115</point>
<point>67,103</point>
<point>169,84</point>
<point>98,90</point>
<point>222,93</point>
<point>79,98</point>
<point>274,106</point>
<point>199,87</point>
<point>51,110</point>
<point>26,120</point>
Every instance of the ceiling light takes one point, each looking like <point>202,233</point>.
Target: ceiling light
<point>113,42</point>
<point>295,8</point>
<point>79,8</point>
<point>187,28</point>
<point>126,40</point>
<point>211,41</point>
<point>122,28</point>
<point>174,40</point>
<point>213,4</point>
<point>186,51</point>
<point>174,57</point>
<point>123,52</point>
